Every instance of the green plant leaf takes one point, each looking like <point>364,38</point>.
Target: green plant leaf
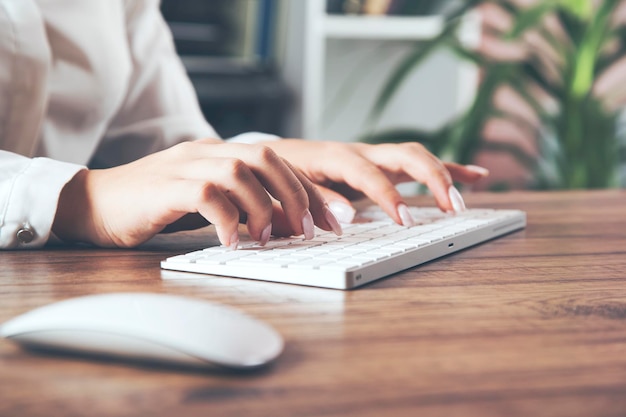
<point>531,70</point>
<point>507,6</point>
<point>467,55</point>
<point>574,27</point>
<point>531,18</point>
<point>596,34</point>
<point>465,135</point>
<point>579,146</point>
<point>583,9</point>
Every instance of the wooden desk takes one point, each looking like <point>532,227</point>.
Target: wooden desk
<point>532,324</point>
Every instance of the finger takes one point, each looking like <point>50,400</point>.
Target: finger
<point>180,197</point>
<point>415,161</point>
<point>240,185</point>
<point>277,178</point>
<point>280,223</point>
<point>434,173</point>
<point>219,210</point>
<point>375,184</point>
<point>363,175</point>
<point>323,217</point>
<point>466,173</point>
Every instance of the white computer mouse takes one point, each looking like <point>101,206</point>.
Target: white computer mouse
<point>152,327</point>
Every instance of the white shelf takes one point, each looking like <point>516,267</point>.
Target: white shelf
<point>382,27</point>
<point>320,53</point>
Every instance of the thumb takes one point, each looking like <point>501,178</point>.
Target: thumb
<point>338,204</point>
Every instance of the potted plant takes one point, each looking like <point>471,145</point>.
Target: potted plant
<point>579,139</point>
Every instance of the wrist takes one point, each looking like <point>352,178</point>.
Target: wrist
<point>72,219</point>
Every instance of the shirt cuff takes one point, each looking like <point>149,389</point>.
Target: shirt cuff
<point>31,201</point>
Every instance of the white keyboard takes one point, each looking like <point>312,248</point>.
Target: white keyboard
<point>369,249</point>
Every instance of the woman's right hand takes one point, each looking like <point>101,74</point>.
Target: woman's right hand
<point>127,205</point>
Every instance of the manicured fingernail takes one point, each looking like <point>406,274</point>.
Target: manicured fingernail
<point>343,212</point>
<point>405,215</point>
<point>332,221</point>
<point>265,235</point>
<point>483,172</point>
<point>455,198</point>
<point>308,226</point>
<point>234,241</point>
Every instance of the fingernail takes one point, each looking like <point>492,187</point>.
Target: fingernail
<point>483,172</point>
<point>265,235</point>
<point>234,241</point>
<point>332,221</point>
<point>342,212</point>
<point>455,198</point>
<point>308,226</point>
<point>405,215</point>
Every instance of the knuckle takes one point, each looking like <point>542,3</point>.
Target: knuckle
<point>208,192</point>
<point>236,168</point>
<point>440,171</point>
<point>265,155</point>
<point>211,195</point>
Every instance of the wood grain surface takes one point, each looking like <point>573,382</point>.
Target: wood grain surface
<point>531,324</point>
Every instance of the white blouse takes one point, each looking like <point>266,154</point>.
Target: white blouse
<point>90,81</point>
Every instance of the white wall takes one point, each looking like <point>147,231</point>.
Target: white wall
<point>355,73</point>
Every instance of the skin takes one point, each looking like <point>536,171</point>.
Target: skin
<point>351,171</point>
<point>193,183</point>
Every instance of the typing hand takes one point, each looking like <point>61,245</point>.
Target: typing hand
<point>344,171</point>
<point>127,205</point>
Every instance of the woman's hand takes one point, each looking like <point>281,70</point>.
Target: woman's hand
<point>349,170</point>
<point>127,205</point>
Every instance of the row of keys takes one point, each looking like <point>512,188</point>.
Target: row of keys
<point>361,243</point>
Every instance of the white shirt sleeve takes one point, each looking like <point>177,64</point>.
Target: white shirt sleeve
<point>29,188</point>
<point>253,138</point>
<point>29,193</point>
<point>161,107</point>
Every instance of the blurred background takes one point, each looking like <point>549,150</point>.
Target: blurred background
<point>533,90</point>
